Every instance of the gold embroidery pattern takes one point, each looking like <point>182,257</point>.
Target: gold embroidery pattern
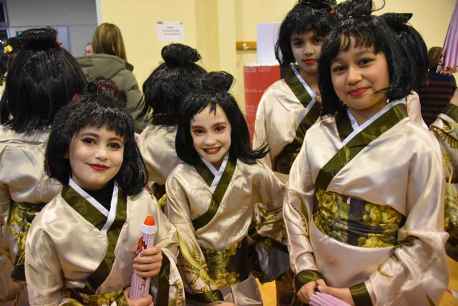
<point>103,299</point>
<point>19,222</point>
<point>218,263</point>
<point>366,225</point>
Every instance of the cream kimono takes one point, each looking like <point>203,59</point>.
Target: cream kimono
<point>77,254</point>
<point>157,146</point>
<point>214,211</point>
<point>446,130</point>
<point>286,110</point>
<point>364,209</point>
<point>24,189</point>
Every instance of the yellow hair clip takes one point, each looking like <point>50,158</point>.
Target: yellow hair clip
<point>8,49</point>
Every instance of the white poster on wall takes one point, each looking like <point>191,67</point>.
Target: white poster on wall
<point>170,30</point>
<point>267,34</point>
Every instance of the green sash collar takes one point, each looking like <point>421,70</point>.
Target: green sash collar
<point>302,91</point>
<point>452,112</point>
<point>219,192</point>
<point>353,144</point>
<point>97,219</point>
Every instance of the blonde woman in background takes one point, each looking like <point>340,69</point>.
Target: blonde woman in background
<point>109,61</point>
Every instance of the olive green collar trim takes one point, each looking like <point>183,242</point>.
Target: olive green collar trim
<point>296,87</point>
<point>218,195</point>
<point>380,125</point>
<point>452,112</point>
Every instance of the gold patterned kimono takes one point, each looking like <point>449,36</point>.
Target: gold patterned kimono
<point>75,255</point>
<point>364,209</point>
<point>24,189</point>
<point>214,215</point>
<point>446,130</point>
<point>286,110</point>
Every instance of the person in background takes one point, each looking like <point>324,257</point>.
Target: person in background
<point>438,89</point>
<point>43,78</point>
<point>109,61</point>
<point>165,90</point>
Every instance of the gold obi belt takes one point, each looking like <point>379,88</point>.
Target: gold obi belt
<point>355,221</point>
<point>109,298</point>
<point>19,221</point>
<point>226,268</point>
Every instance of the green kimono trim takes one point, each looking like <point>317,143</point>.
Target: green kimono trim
<point>305,277</point>
<point>358,143</point>
<point>206,297</point>
<point>96,218</point>
<point>286,157</point>
<point>360,295</point>
<point>162,298</point>
<point>19,221</point>
<point>355,221</point>
<point>452,112</point>
<point>218,195</point>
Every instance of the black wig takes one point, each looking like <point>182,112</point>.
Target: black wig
<point>213,92</point>
<point>306,15</point>
<point>168,85</point>
<point>412,44</point>
<point>355,21</point>
<point>42,78</point>
<point>96,109</point>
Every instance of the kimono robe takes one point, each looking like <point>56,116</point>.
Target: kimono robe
<point>24,189</point>
<point>157,146</point>
<point>287,109</point>
<point>213,211</point>
<point>364,209</point>
<point>76,254</point>
<point>446,130</point>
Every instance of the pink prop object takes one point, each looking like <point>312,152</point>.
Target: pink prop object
<point>450,50</point>
<point>139,287</point>
<point>323,299</point>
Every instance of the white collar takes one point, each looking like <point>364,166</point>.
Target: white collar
<point>110,215</point>
<point>307,88</point>
<point>217,173</point>
<point>359,127</point>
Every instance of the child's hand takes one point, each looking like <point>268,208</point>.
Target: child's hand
<point>148,262</point>
<point>341,293</point>
<point>307,291</point>
<point>143,301</point>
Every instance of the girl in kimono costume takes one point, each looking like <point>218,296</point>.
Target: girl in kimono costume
<point>364,208</point>
<point>81,247</point>
<point>292,104</point>
<point>212,197</point>
<point>165,90</point>
<point>41,79</point>
<point>445,127</point>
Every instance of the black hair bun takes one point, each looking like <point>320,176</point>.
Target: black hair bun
<point>179,55</point>
<point>354,8</point>
<point>217,81</point>
<point>327,5</point>
<point>39,39</point>
<point>396,20</point>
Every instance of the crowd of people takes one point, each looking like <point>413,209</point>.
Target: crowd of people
<point>347,194</point>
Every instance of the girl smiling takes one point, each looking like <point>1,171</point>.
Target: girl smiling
<point>364,210</point>
<point>82,245</point>
<point>213,196</point>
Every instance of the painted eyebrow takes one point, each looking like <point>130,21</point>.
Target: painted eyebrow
<point>117,138</point>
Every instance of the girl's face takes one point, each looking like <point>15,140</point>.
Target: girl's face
<point>306,48</point>
<point>360,78</point>
<point>95,155</point>
<point>211,134</point>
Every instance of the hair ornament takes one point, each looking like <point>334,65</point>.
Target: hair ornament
<point>40,39</point>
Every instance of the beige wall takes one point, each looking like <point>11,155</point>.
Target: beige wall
<point>213,27</point>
